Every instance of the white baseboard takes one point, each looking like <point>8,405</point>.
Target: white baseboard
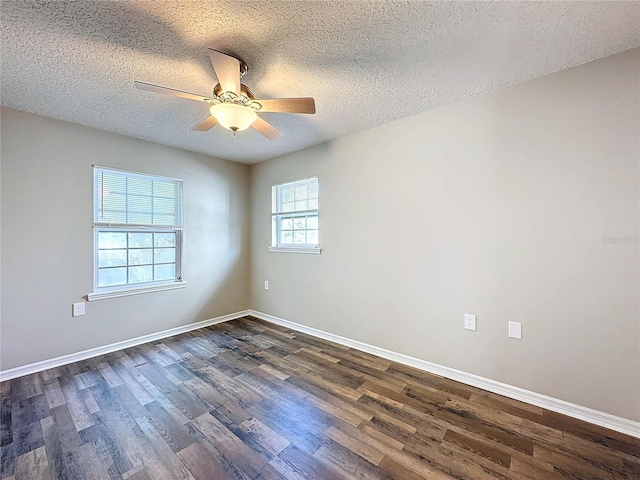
<point>94,352</point>
<point>619,424</point>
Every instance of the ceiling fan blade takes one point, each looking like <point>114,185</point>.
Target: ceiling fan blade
<point>266,129</point>
<point>288,105</point>
<point>227,70</point>
<point>205,125</point>
<point>170,91</point>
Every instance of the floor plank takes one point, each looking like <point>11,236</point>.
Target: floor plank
<point>250,400</point>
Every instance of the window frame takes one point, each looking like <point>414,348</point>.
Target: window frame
<point>126,289</point>
<point>277,215</point>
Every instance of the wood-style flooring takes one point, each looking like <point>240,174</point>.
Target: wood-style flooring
<point>251,400</point>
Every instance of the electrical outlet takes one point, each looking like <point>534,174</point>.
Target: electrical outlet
<point>266,284</point>
<point>78,309</point>
<point>515,330</point>
<point>469,322</point>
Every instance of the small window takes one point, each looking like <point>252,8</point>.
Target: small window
<point>137,230</point>
<point>295,216</point>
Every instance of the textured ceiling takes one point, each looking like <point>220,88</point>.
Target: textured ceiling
<point>366,63</point>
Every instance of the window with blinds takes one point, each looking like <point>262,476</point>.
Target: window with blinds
<point>295,214</point>
<point>137,228</point>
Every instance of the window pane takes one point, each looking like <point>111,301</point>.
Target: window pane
<point>140,257</point>
<point>108,277</point>
<point>163,219</point>
<point>312,237</point>
<point>286,224</point>
<point>108,216</point>
<point>113,183</point>
<point>139,204</point>
<point>287,206</point>
<point>165,240</point>
<point>117,192</point>
<point>163,189</point>
<point>313,189</point>
<point>112,258</point>
<point>140,218</point>
<point>299,238</point>
<point>112,240</point>
<point>286,237</point>
<point>287,194</point>
<point>164,205</point>
<point>139,186</point>
<point>312,222</point>
<point>137,240</point>
<point>129,198</point>
<point>301,205</point>
<point>164,272</point>
<point>301,192</point>
<point>164,255</point>
<point>141,274</point>
<point>300,223</point>
<point>313,204</point>
<point>114,201</point>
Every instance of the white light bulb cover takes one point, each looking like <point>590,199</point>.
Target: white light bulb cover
<point>232,116</point>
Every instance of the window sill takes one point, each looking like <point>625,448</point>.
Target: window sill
<point>133,291</point>
<point>307,250</point>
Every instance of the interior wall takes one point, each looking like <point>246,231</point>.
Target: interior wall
<point>517,205</point>
<point>47,239</point>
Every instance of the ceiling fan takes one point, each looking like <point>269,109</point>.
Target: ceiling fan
<point>233,105</point>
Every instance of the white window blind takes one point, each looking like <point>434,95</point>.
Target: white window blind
<point>295,214</point>
<point>127,198</point>
<point>138,230</point>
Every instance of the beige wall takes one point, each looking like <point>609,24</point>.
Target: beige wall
<point>47,256</point>
<point>496,206</point>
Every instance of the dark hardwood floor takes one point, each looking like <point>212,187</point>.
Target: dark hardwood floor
<point>247,399</point>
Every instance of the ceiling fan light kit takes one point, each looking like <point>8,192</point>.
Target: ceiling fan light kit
<point>233,117</point>
<point>233,105</point>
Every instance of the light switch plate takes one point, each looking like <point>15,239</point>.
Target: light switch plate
<point>515,330</point>
<point>469,322</point>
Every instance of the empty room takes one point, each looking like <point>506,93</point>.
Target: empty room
<point>319,240</point>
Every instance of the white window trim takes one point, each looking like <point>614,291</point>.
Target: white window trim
<point>139,174</point>
<point>275,225</point>
<point>121,292</point>
<point>307,250</point>
<point>102,293</point>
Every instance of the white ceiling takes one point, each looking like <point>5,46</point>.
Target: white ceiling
<point>366,63</point>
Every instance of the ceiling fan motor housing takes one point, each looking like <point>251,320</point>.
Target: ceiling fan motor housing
<point>244,91</point>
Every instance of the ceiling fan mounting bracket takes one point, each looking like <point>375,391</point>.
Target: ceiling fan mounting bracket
<point>244,68</point>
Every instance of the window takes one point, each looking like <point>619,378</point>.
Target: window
<point>295,216</point>
<point>137,220</point>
